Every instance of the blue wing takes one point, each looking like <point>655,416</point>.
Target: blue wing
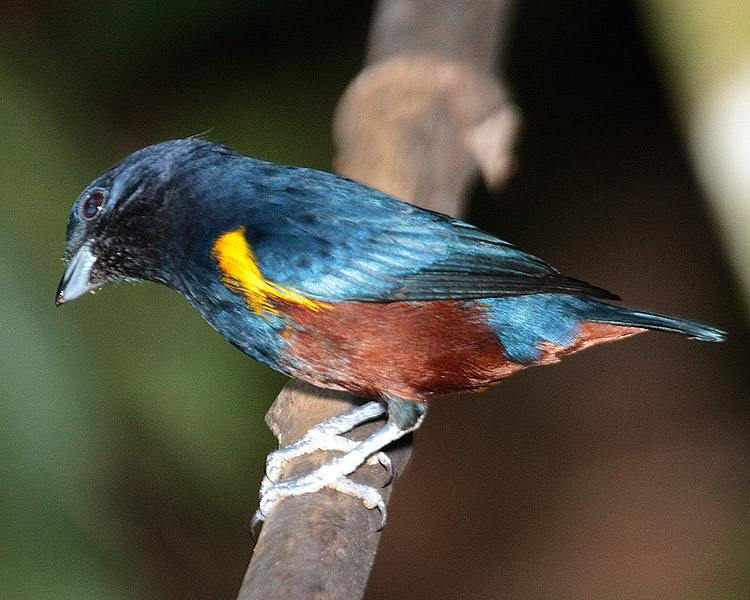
<point>333,239</point>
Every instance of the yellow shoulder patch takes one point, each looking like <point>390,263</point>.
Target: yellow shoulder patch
<point>240,273</point>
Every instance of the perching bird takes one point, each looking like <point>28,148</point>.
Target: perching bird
<point>337,284</point>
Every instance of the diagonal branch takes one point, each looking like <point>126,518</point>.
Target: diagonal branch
<point>423,118</point>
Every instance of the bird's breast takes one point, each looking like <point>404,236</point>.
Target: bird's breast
<point>406,349</point>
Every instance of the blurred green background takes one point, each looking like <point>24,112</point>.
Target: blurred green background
<point>132,437</point>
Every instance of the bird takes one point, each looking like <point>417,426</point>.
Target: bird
<point>337,284</point>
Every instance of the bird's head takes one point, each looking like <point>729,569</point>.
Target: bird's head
<point>120,226</point>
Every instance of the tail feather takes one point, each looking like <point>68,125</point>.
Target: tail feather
<point>616,315</point>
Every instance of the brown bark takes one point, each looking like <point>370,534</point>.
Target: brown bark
<point>422,119</point>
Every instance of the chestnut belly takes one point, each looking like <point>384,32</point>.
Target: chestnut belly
<point>411,350</point>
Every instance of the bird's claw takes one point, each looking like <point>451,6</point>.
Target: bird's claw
<point>314,441</point>
<point>327,436</point>
<point>383,459</point>
<point>327,476</point>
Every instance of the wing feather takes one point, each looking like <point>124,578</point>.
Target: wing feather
<point>333,239</point>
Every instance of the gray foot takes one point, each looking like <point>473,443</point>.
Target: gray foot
<point>334,474</point>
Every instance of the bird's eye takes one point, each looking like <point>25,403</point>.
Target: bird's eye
<point>92,204</point>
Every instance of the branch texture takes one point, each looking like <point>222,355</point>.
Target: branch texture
<point>423,118</point>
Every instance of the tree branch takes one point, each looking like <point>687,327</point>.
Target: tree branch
<point>428,113</point>
<point>419,122</point>
<point>319,545</point>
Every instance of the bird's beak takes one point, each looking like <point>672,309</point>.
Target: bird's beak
<point>77,278</point>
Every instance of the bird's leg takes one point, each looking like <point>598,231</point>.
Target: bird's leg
<point>327,435</point>
<point>333,474</point>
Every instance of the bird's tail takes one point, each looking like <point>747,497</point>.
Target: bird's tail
<point>628,317</point>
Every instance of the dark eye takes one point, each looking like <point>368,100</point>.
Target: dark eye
<point>92,204</point>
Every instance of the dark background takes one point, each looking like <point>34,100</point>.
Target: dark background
<point>132,437</point>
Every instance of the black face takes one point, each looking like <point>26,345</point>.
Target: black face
<point>134,222</point>
<point>117,227</point>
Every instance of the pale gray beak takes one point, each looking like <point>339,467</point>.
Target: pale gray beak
<point>77,278</point>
